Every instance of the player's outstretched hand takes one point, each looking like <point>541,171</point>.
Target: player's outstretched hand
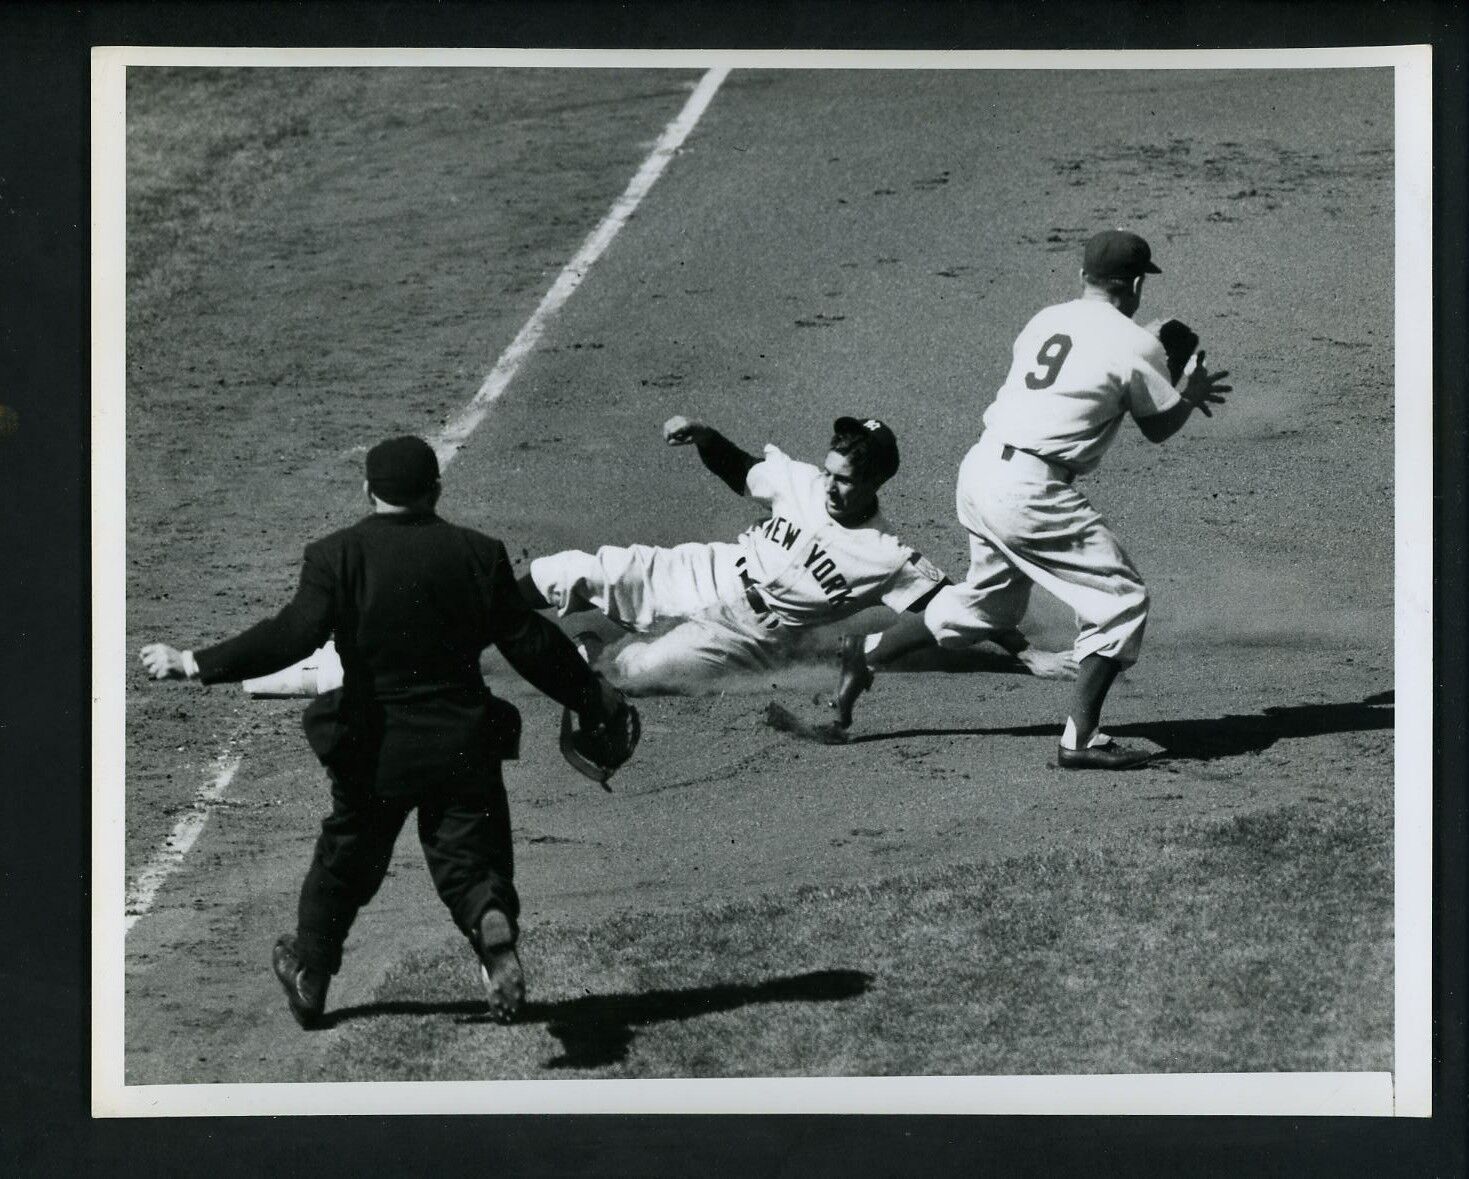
<point>680,431</point>
<point>164,662</point>
<point>1201,387</point>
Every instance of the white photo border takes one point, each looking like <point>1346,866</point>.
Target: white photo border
<point>1406,1091</point>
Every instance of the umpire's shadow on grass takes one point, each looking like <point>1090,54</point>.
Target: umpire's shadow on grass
<point>597,1030</point>
<point>1207,738</point>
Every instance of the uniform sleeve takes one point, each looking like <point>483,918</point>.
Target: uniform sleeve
<point>534,646</point>
<point>773,475</point>
<point>1150,392</point>
<point>726,460</point>
<point>298,630</point>
<point>916,579</point>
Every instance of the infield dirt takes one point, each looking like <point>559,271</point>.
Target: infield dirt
<point>322,258</point>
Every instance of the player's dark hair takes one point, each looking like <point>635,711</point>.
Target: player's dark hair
<point>1118,288</point>
<point>858,446</point>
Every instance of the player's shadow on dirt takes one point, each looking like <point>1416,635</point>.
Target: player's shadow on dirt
<point>1205,739</point>
<point>596,1030</point>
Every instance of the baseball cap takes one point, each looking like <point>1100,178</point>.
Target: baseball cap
<point>1115,253</point>
<point>884,450</point>
<point>401,470</point>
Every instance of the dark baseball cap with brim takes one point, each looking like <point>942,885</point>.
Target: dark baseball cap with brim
<point>1115,253</point>
<point>884,449</point>
<point>402,470</point>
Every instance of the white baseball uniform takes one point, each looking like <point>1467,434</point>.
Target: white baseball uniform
<point>1077,369</point>
<point>740,604</point>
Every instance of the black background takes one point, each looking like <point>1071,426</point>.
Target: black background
<point>45,546</point>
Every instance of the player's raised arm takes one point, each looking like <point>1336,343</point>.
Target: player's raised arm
<point>716,451</point>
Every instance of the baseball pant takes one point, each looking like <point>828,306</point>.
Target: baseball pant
<point>1026,526</point>
<point>725,635</point>
<point>466,842</point>
<point>639,586</point>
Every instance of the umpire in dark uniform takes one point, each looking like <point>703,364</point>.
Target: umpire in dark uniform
<point>411,600</point>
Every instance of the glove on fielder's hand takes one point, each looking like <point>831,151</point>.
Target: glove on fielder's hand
<point>1179,342</point>
<point>598,749</point>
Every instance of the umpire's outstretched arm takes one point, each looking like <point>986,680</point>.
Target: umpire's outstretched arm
<point>299,629</point>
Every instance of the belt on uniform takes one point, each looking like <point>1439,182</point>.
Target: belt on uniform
<point>752,592</point>
<point>755,597</point>
<point>1057,470</point>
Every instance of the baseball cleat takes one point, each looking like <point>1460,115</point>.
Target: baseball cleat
<point>856,678</point>
<point>1108,755</point>
<point>500,967</point>
<point>305,988</point>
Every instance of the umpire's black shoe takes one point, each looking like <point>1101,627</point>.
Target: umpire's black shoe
<point>305,988</point>
<point>499,966</point>
<point>1107,756</point>
<point>856,678</point>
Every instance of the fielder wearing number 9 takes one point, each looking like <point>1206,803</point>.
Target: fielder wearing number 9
<point>1077,369</point>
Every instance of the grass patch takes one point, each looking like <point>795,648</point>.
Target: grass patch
<point>1258,943</point>
<point>190,178</point>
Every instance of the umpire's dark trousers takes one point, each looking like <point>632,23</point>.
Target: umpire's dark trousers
<point>466,841</point>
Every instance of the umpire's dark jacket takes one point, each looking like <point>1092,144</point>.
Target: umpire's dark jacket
<point>411,600</point>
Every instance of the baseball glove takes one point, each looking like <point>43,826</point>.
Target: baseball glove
<point>1179,343</point>
<point>597,751</point>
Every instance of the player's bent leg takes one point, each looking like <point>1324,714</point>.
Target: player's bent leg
<point>990,604</point>
<point>1084,566</point>
<point>671,663</point>
<point>1117,632</point>
<point>634,586</point>
<point>858,656</point>
<point>319,672</point>
<point>725,637</point>
<point>961,615</point>
<point>1083,745</point>
<point>570,582</point>
<point>854,675</point>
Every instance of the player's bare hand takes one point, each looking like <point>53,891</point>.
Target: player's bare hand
<point>681,431</point>
<point>1202,388</point>
<point>164,662</point>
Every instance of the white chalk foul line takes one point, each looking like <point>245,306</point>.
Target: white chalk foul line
<point>141,894</point>
<point>458,430</point>
<point>166,860</point>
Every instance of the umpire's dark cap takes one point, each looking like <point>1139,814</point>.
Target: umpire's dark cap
<point>883,447</point>
<point>1115,253</point>
<point>402,470</point>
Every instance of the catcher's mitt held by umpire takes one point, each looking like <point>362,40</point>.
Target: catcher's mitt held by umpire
<point>598,749</point>
<point>1179,341</point>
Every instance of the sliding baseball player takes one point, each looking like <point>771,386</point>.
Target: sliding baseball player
<point>823,553</point>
